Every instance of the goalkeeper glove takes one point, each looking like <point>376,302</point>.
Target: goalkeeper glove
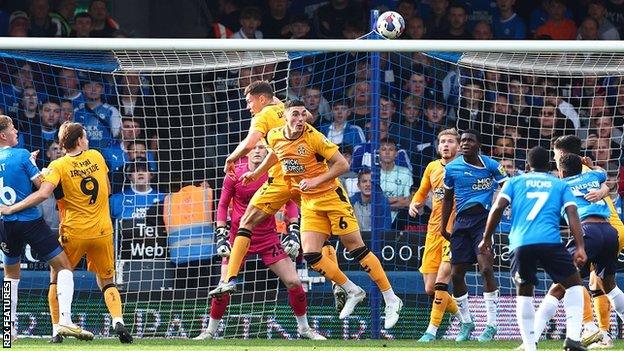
<point>291,242</point>
<point>223,245</point>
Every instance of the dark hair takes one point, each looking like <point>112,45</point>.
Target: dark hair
<point>140,163</point>
<point>5,122</point>
<point>341,102</point>
<point>69,133</point>
<point>251,12</point>
<point>570,164</point>
<point>474,132</point>
<point>539,158</point>
<point>260,87</point>
<point>363,171</point>
<point>388,140</point>
<point>346,149</point>
<point>293,103</point>
<point>569,144</point>
<point>83,15</point>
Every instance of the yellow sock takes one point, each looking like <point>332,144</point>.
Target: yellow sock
<point>602,308</point>
<point>588,315</point>
<point>53,304</point>
<point>440,301</point>
<point>239,251</point>
<point>451,307</point>
<point>372,266</point>
<point>329,252</point>
<point>113,300</point>
<point>329,269</point>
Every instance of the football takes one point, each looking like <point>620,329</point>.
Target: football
<point>390,24</point>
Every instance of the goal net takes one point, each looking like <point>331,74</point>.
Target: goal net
<point>181,113</point>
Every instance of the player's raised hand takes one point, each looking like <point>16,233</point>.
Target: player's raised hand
<point>247,177</point>
<point>309,184</point>
<point>416,208</point>
<point>587,161</point>
<point>579,257</point>
<point>229,168</point>
<point>34,154</point>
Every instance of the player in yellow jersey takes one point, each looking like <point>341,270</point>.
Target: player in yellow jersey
<point>436,261</point>
<point>86,227</point>
<point>311,165</point>
<point>595,337</point>
<point>268,113</point>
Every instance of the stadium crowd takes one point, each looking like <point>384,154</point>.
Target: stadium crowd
<point>126,115</point>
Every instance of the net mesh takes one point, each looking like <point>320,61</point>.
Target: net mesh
<point>184,112</point>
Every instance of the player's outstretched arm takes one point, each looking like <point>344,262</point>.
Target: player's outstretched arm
<point>269,161</point>
<point>598,194</point>
<point>494,217</point>
<point>34,199</point>
<point>241,150</point>
<point>577,232</point>
<point>447,207</point>
<point>338,166</point>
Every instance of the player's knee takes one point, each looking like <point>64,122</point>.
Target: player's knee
<point>244,232</point>
<point>359,253</point>
<point>312,257</point>
<point>557,291</point>
<point>291,282</point>
<point>252,217</point>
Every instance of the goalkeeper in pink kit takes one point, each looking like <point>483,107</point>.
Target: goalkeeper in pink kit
<point>277,256</point>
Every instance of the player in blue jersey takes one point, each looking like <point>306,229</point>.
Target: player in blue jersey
<point>471,180</point>
<point>537,199</point>
<point>18,173</point>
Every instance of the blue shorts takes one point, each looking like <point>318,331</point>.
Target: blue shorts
<point>601,247</point>
<point>35,233</point>
<point>467,234</point>
<point>554,258</point>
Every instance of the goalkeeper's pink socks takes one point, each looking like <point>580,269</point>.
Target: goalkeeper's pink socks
<point>218,305</point>
<point>298,300</point>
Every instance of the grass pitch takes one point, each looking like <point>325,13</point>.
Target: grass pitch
<point>277,345</point>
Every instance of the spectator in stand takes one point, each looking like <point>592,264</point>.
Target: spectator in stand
<point>411,112</point>
<point>317,106</point>
<point>457,19</point>
<point>395,181</point>
<point>546,125</point>
<point>564,107</point>
<point>250,20</point>
<point>131,131</point>
<point>518,92</point>
<point>298,80</point>
<point>28,121</point>
<point>276,20</point>
<point>600,127</point>
<point>64,14</point>
<point>67,111</point>
<point>340,131</point>
<point>135,200</point>
<point>438,24</point>
<point>597,10</point>
<point>557,27</point>
<point>360,93</point>
<point>615,14</point>
<point>594,108</point>
<point>103,25</point>
<point>509,165</point>
<point>21,78</point>
<point>435,119</point>
<point>50,115</point>
<point>588,30</point>
<point>362,154</point>
<point>472,113</point>
<point>299,27</point>
<point>362,205</point>
<point>348,179</point>
<point>504,147</point>
<point>68,83</point>
<point>41,24</point>
<point>507,24</point>
<point>134,150</point>
<point>48,207</point>
<point>605,153</point>
<point>330,19</point>
<point>406,8</point>
<point>83,25</point>
<point>416,85</point>
<point>102,121</point>
<point>482,31</point>
<point>414,28</point>
<point>134,99</point>
<point>19,24</point>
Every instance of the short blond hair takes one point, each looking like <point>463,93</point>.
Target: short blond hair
<point>5,122</point>
<point>449,131</point>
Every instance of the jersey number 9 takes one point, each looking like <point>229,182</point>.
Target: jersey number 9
<point>89,186</point>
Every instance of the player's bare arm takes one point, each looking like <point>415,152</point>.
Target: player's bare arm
<point>338,166</point>
<point>494,217</point>
<point>447,207</point>
<point>34,199</point>
<point>241,150</point>
<point>269,161</point>
<point>580,257</point>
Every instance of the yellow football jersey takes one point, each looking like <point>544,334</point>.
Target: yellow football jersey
<point>271,116</point>
<point>303,157</point>
<point>433,181</point>
<point>84,180</point>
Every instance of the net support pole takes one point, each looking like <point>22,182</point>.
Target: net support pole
<point>376,222</point>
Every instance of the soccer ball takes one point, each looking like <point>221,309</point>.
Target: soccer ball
<point>390,24</point>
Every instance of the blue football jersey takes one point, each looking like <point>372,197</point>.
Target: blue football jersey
<point>473,185</point>
<point>581,184</point>
<point>537,200</point>
<point>133,204</point>
<point>17,171</point>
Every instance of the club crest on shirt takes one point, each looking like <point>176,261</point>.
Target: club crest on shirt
<point>301,150</point>
<point>438,193</point>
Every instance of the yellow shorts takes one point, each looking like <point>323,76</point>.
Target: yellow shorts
<point>272,196</point>
<point>437,250</point>
<point>100,253</point>
<point>330,213</point>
